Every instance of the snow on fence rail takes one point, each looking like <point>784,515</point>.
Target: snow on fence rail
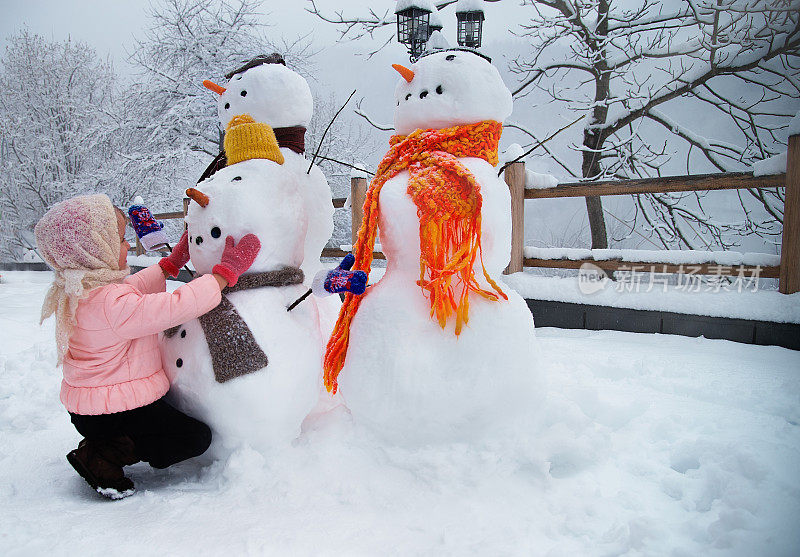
<point>785,267</point>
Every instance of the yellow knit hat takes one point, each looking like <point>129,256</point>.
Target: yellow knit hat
<point>247,139</point>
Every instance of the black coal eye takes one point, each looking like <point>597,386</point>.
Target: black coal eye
<point>216,232</point>
<point>236,178</point>
<point>450,57</point>
<point>183,333</point>
<point>408,96</point>
<point>243,93</point>
<point>179,362</point>
<point>227,106</point>
<point>439,89</point>
<point>198,240</point>
<point>423,94</point>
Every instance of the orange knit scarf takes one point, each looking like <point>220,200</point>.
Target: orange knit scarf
<point>448,201</point>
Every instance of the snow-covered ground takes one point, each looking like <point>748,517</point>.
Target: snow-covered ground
<point>646,445</point>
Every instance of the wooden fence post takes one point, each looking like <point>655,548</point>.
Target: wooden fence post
<point>186,201</point>
<point>358,192</point>
<point>789,281</point>
<point>515,178</point>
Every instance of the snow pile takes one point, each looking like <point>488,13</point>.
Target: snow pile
<point>769,166</point>
<point>688,297</point>
<point>533,179</point>
<point>436,41</point>
<point>421,4</point>
<point>469,6</point>
<point>537,181</point>
<point>794,125</point>
<point>513,152</point>
<point>673,257</point>
<point>647,445</point>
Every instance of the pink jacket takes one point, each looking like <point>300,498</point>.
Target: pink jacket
<point>113,362</point>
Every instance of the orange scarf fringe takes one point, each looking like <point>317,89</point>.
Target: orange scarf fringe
<point>448,201</point>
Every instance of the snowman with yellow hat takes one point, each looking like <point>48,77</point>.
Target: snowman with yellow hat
<point>249,368</point>
<point>272,93</point>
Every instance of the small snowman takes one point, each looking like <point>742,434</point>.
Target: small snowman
<point>249,368</point>
<point>271,93</point>
<point>440,349</point>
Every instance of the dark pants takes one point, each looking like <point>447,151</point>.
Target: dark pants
<point>162,435</point>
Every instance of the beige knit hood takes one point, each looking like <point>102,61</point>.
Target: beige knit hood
<point>78,238</point>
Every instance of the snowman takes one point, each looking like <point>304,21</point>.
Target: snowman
<point>249,368</point>
<point>270,92</point>
<point>440,349</point>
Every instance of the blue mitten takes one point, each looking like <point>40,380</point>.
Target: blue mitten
<point>340,279</point>
<point>148,229</point>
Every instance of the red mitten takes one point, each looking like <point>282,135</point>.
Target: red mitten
<point>237,259</point>
<point>178,258</point>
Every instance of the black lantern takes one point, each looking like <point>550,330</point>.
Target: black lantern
<point>470,28</point>
<point>413,20</point>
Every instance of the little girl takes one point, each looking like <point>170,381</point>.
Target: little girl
<point>107,325</point>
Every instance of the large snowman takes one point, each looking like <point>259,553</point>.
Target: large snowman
<point>249,368</point>
<point>440,349</point>
<point>271,93</point>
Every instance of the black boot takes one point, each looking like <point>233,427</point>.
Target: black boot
<point>100,463</point>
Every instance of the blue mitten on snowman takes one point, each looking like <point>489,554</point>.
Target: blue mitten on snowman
<point>340,279</point>
<point>149,231</point>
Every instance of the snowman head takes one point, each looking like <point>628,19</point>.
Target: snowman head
<point>255,196</point>
<point>270,92</point>
<point>449,88</point>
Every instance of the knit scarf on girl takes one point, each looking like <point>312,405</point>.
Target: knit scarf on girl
<point>448,201</point>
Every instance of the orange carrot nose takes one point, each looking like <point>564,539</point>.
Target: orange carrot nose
<point>218,89</point>
<point>407,74</point>
<point>198,196</point>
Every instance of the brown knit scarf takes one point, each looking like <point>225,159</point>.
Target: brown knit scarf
<point>234,350</point>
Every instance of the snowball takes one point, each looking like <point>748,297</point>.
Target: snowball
<point>450,88</point>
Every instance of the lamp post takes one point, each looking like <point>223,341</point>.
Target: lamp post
<point>413,24</point>
<point>469,15</point>
<point>418,19</point>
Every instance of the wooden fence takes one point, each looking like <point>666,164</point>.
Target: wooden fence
<point>788,272</point>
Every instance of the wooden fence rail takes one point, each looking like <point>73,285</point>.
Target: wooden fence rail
<point>788,272</point>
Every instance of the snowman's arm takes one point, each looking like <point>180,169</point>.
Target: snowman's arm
<point>133,314</point>
<point>149,280</point>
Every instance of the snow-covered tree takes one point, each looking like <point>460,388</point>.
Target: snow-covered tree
<point>638,69</point>
<point>641,68</point>
<point>56,132</point>
<point>171,118</point>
